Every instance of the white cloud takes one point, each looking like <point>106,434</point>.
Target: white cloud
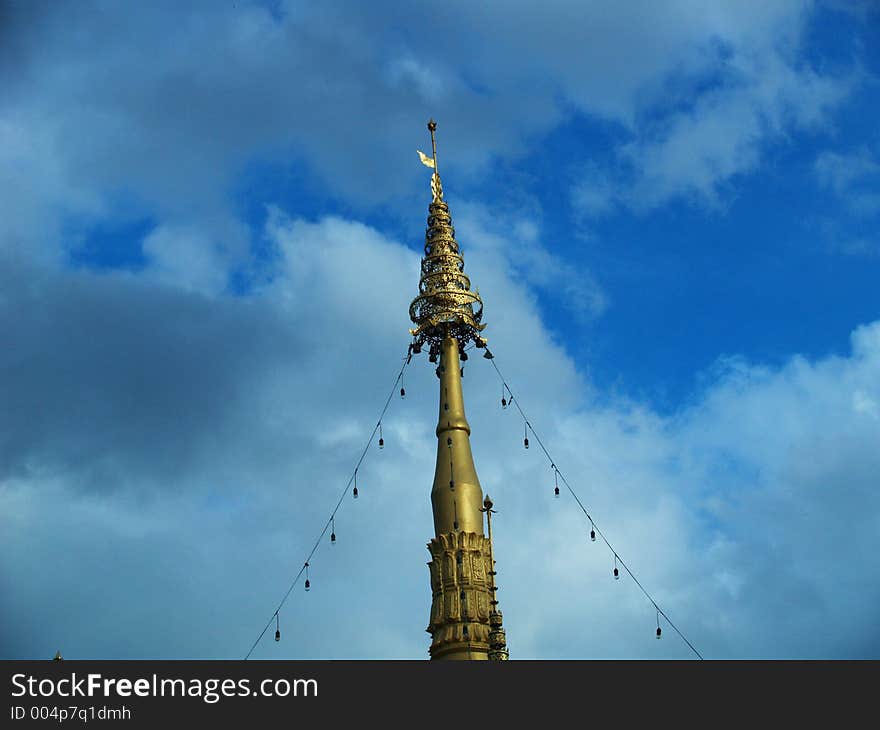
<point>854,177</point>
<point>193,485</point>
<point>172,108</point>
<point>516,245</point>
<point>166,472</point>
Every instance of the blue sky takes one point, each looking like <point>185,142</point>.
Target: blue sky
<point>210,231</point>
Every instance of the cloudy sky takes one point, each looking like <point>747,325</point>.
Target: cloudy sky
<point>211,219</point>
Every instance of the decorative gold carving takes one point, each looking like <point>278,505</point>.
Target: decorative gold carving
<point>464,557</point>
<point>445,306</point>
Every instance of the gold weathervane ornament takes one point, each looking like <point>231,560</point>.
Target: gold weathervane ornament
<point>436,187</point>
<point>465,622</point>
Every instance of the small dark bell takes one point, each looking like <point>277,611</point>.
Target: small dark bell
<point>593,535</point>
<point>452,485</point>
<point>354,492</point>
<point>277,634</point>
<point>464,356</point>
<point>616,574</point>
<point>556,491</point>
<point>308,584</point>
<point>332,538</point>
<point>455,525</point>
<point>526,442</point>
<point>464,632</point>
<point>381,443</point>
<point>488,355</point>
<point>448,441</point>
<point>403,392</point>
<point>503,402</point>
<point>659,631</point>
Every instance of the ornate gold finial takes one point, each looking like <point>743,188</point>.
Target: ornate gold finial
<point>436,185</point>
<point>445,306</point>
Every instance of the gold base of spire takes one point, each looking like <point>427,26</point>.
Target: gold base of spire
<point>460,583</point>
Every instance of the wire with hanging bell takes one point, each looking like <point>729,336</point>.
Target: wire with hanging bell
<point>594,531</point>
<point>381,438</point>
<point>556,479</point>
<point>506,396</point>
<point>526,434</point>
<point>659,630</point>
<point>331,523</point>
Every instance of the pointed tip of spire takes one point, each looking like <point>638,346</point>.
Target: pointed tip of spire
<point>432,125</point>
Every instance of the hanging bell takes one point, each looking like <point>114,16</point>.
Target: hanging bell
<point>464,632</point>
<point>526,442</point>
<point>354,492</point>
<point>659,631</point>
<point>503,402</point>
<point>449,441</point>
<point>616,574</point>
<point>403,392</point>
<point>488,355</point>
<point>556,491</point>
<point>593,535</point>
<point>452,485</point>
<point>277,634</point>
<point>381,443</point>
<point>332,538</point>
<point>308,584</point>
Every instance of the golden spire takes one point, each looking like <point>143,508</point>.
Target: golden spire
<point>447,315</point>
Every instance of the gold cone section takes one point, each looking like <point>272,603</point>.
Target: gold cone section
<point>445,306</point>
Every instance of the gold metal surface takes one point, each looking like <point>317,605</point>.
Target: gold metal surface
<point>456,507</point>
